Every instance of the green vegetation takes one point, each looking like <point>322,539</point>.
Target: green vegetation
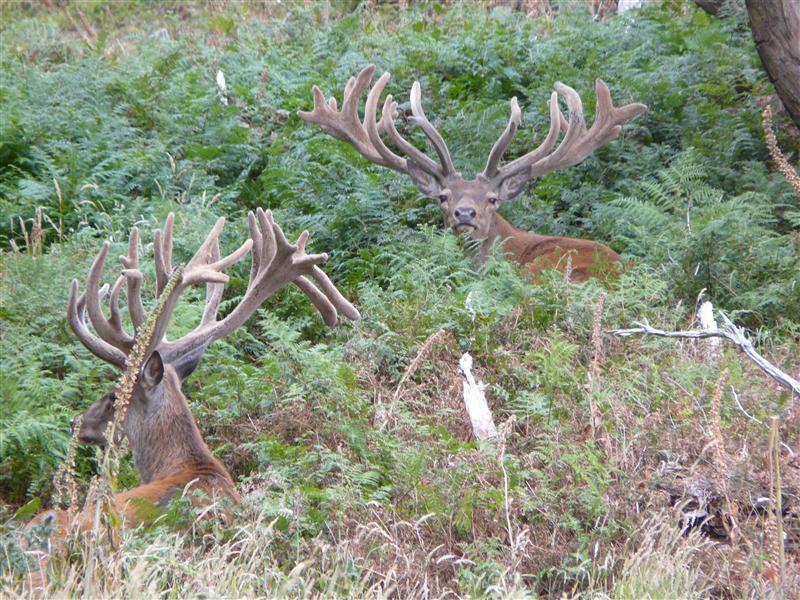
<point>353,484</point>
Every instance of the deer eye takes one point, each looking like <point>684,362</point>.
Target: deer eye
<point>443,197</point>
<point>492,199</point>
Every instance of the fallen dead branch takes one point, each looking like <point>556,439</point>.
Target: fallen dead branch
<point>729,331</point>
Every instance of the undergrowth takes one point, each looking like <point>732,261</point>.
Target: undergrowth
<point>351,446</point>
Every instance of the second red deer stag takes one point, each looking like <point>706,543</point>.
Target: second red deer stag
<point>471,205</point>
<point>167,447</point>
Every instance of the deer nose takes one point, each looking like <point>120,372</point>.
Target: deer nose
<point>464,215</point>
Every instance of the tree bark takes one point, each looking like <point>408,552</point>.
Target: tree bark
<point>710,6</point>
<point>776,31</point>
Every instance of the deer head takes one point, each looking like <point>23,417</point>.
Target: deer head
<point>158,423</point>
<point>468,205</point>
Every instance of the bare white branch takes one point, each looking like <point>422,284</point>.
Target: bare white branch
<point>729,331</point>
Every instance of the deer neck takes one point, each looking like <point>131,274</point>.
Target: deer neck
<point>165,439</point>
<point>514,240</point>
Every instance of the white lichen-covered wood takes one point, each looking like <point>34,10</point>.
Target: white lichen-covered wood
<point>222,86</point>
<point>626,5</point>
<point>705,314</point>
<point>479,414</point>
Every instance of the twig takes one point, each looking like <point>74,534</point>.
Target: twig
<point>382,414</point>
<point>89,28</point>
<point>595,417</point>
<point>84,34</point>
<point>754,419</point>
<point>776,463</point>
<point>414,364</point>
<point>730,331</point>
<point>505,430</point>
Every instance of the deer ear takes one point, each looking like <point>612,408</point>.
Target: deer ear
<point>425,182</point>
<point>185,365</point>
<point>153,371</point>
<point>513,185</point>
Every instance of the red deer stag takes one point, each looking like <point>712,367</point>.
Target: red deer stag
<point>167,447</point>
<point>471,205</point>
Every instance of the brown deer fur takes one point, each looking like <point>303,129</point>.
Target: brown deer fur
<point>538,252</point>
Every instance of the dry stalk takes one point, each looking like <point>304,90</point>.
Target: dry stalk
<point>34,240</point>
<point>110,458</point>
<point>775,527</point>
<point>594,374</point>
<point>85,33</point>
<point>568,269</point>
<point>775,152</point>
<point>505,430</point>
<point>719,456</point>
<point>65,479</point>
<point>133,366</point>
<point>414,364</point>
<point>717,446</point>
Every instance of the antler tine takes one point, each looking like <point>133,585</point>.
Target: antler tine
<point>267,235</point>
<point>95,345</point>
<point>278,264</point>
<point>436,139</point>
<point>104,328</point>
<point>256,254</point>
<point>504,140</point>
<point>608,120</point>
<point>310,263</point>
<point>576,128</point>
<point>578,143</point>
<point>198,270</point>
<point>334,295</point>
<point>354,90</point>
<point>133,277</point>
<point>213,291</point>
<point>113,303</point>
<point>387,124</point>
<point>557,123</point>
<point>345,125</point>
<point>162,253</point>
<point>318,299</point>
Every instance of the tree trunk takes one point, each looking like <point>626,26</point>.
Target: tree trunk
<point>710,6</point>
<point>776,31</point>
